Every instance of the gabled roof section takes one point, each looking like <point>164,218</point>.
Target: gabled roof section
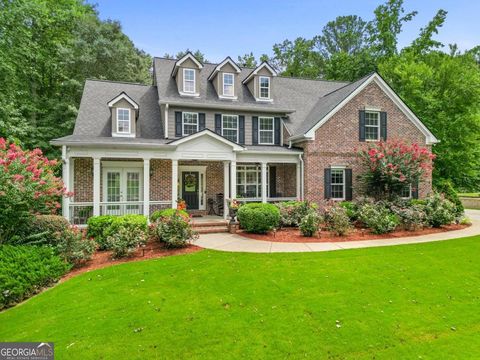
<point>265,65</point>
<point>228,60</point>
<point>328,105</point>
<point>180,61</point>
<point>208,133</point>
<point>123,96</point>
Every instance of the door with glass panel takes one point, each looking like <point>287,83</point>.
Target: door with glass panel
<point>122,191</point>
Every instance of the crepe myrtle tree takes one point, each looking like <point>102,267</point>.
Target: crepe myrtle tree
<point>28,186</point>
<point>392,166</point>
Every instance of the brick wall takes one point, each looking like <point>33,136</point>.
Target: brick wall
<point>337,140</point>
<point>83,179</point>
<point>286,180</point>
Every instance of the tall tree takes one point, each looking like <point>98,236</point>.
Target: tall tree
<point>297,58</point>
<point>247,60</point>
<point>200,56</point>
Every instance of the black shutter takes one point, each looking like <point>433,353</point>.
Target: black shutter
<point>218,124</point>
<point>273,181</point>
<point>277,127</point>
<point>383,125</point>
<point>361,123</point>
<point>201,121</point>
<point>241,129</point>
<point>178,123</point>
<point>255,130</point>
<point>415,189</point>
<point>328,183</point>
<point>348,184</point>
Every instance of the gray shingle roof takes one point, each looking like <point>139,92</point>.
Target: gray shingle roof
<point>94,119</point>
<point>300,95</point>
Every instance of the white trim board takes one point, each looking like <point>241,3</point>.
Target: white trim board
<point>182,60</point>
<point>123,96</point>
<point>222,64</point>
<point>430,138</point>
<point>213,135</point>
<point>257,69</point>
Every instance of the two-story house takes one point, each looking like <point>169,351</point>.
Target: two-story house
<point>208,133</point>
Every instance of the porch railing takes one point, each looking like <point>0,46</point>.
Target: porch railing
<point>121,208</point>
<point>80,212</point>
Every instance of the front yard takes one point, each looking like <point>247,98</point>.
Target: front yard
<point>415,301</point>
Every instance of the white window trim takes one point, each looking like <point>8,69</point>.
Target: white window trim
<point>233,85</point>
<point>372,126</point>
<point>258,182</point>
<point>183,122</point>
<point>194,81</point>
<point>410,195</point>
<point>238,127</point>
<point>341,168</point>
<point>260,87</point>
<point>124,133</point>
<point>273,130</point>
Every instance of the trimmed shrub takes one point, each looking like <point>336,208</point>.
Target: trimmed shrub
<point>97,226</point>
<point>74,247</point>
<point>337,220</point>
<point>351,209</point>
<point>439,210</point>
<point>25,270</point>
<point>310,224</point>
<point>292,212</point>
<point>258,218</point>
<point>411,217</point>
<point>166,213</point>
<point>378,218</point>
<point>445,187</point>
<point>43,230</point>
<point>126,241</point>
<point>175,230</point>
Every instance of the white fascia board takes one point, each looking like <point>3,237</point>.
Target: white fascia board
<point>430,138</point>
<point>211,134</point>
<point>260,67</point>
<point>222,64</point>
<point>123,96</point>
<point>183,59</point>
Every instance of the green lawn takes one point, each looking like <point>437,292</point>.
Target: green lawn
<point>409,302</point>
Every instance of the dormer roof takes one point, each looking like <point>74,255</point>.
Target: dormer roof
<point>265,65</point>
<point>219,67</point>
<point>123,95</point>
<point>180,61</point>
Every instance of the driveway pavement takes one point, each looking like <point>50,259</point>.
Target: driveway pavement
<point>237,243</point>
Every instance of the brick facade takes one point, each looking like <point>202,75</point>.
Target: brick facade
<point>83,179</point>
<point>337,140</point>
<point>286,180</point>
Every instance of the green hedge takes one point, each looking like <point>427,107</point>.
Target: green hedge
<point>101,227</point>
<point>43,230</point>
<point>165,213</point>
<point>25,270</point>
<point>258,218</point>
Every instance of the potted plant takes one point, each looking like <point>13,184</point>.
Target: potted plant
<point>181,204</point>
<point>233,208</point>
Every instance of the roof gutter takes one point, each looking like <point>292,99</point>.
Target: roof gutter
<point>114,145</point>
<point>226,106</point>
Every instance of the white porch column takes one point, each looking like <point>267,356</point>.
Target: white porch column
<point>66,182</point>
<point>264,182</point>
<point>174,183</point>
<point>233,180</point>
<point>146,187</point>
<point>225,189</point>
<point>299,180</point>
<point>96,186</point>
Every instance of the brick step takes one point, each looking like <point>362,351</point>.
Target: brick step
<point>211,229</point>
<point>209,224</point>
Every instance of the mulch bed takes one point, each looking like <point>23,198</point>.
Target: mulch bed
<point>294,235</point>
<point>153,249</point>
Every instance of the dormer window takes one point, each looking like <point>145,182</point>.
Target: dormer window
<point>228,84</point>
<point>264,82</point>
<point>123,121</point>
<point>189,81</point>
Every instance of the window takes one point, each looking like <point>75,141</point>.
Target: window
<point>249,180</point>
<point>406,192</point>
<point>230,127</point>
<point>123,121</point>
<point>338,184</point>
<point>190,123</point>
<point>228,84</point>
<point>265,130</point>
<point>264,87</point>
<point>189,80</point>
<point>372,125</point>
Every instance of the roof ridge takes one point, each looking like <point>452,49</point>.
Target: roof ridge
<point>305,78</point>
<point>350,83</point>
<point>117,82</point>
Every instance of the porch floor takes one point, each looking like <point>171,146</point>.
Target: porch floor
<point>208,219</point>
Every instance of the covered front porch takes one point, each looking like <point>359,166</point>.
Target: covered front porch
<point>118,182</point>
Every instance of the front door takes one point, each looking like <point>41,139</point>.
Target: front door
<point>190,189</point>
<point>122,191</point>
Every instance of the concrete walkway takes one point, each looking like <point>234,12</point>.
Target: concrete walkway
<point>237,243</point>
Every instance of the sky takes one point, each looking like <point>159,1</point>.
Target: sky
<point>230,28</point>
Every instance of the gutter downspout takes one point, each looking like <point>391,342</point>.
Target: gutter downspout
<point>166,121</point>
<point>302,174</point>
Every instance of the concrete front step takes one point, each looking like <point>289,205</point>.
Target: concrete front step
<point>213,223</point>
<point>211,229</point>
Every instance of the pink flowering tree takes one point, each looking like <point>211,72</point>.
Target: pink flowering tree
<point>392,165</point>
<point>28,186</point>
